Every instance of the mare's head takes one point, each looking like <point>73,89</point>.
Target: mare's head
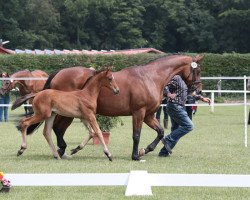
<point>20,74</point>
<point>107,80</point>
<point>191,73</point>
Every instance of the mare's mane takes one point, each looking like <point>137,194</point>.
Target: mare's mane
<point>161,58</point>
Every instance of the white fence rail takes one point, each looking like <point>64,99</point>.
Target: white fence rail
<point>137,182</point>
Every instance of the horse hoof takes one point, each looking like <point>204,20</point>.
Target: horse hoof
<point>142,152</point>
<point>19,153</point>
<point>57,157</point>
<point>109,156</point>
<point>73,151</point>
<point>135,158</point>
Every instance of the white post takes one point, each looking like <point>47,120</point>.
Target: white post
<point>212,102</point>
<point>245,108</point>
<point>138,184</point>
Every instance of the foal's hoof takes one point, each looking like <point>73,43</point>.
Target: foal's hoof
<point>110,157</point>
<point>57,157</point>
<point>19,153</point>
<point>142,152</point>
<point>21,150</point>
<point>73,151</point>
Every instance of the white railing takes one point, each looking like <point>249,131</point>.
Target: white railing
<point>137,182</point>
<point>245,78</point>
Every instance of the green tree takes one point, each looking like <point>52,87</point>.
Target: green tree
<point>77,13</point>
<point>127,22</point>
<point>234,29</point>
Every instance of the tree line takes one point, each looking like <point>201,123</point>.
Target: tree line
<point>170,26</point>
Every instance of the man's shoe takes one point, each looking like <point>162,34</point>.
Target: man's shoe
<point>163,152</point>
<point>168,148</point>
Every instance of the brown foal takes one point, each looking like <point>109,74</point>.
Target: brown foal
<point>78,104</point>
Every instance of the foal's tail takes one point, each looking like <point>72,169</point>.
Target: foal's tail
<point>21,100</point>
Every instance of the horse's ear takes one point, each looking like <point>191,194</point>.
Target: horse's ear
<point>198,58</point>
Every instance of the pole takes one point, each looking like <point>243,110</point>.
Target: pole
<point>245,108</point>
<point>212,102</point>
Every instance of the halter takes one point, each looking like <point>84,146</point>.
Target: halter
<point>195,83</point>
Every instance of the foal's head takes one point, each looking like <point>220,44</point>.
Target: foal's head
<point>108,80</point>
<point>192,73</point>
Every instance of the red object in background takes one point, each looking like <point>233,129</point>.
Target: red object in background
<point>194,108</point>
<point>105,137</point>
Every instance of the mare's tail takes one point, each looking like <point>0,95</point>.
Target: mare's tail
<point>34,127</point>
<point>48,82</point>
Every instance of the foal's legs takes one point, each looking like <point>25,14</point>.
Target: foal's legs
<point>24,124</point>
<point>153,123</point>
<point>85,141</point>
<point>47,134</point>
<point>96,129</point>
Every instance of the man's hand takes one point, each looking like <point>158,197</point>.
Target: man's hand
<point>204,99</point>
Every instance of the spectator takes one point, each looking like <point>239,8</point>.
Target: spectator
<point>4,96</point>
<point>176,92</point>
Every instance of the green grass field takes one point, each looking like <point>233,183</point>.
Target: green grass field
<point>215,146</point>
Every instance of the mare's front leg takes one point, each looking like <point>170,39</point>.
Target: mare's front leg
<point>138,118</point>
<point>47,134</point>
<point>60,126</point>
<point>153,123</point>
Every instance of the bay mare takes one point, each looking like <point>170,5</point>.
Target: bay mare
<point>75,104</point>
<point>141,92</point>
<point>28,86</point>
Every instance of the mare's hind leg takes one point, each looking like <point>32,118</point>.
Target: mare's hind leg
<point>60,126</point>
<point>23,125</point>
<point>85,141</point>
<point>47,134</point>
<point>153,123</point>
